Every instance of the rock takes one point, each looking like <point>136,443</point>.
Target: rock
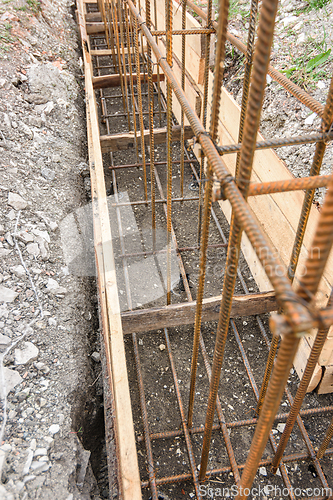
<point>48,174</point>
<point>12,379</point>
<point>48,108</point>
<point>95,356</point>
<point>263,471</point>
<point>42,247</point>
<point>28,462</point>
<point>38,467</point>
<point>26,130</point>
<point>19,271</point>
<point>24,236</point>
<point>4,252</point>
<point>27,354</point>
<point>7,295</point>
<point>9,239</point>
<point>2,229</point>
<point>6,121</point>
<point>16,201</point>
<point>56,158</point>
<point>33,249</point>
<point>11,215</point>
<point>42,234</point>
<point>51,224</point>
<point>289,20</point>
<point>301,39</point>
<point>35,121</point>
<point>54,429</point>
<point>54,288</point>
<point>3,82</point>
<point>4,340</point>
<point>310,119</point>
<point>52,322</point>
<point>4,450</point>
<point>40,452</point>
<point>161,347</point>
<point>280,427</point>
<point>35,98</point>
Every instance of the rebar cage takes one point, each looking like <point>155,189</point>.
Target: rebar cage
<point>126,45</point>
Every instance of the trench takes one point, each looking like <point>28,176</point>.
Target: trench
<point>158,362</point>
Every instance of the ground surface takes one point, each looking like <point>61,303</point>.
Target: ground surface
<point>47,311</point>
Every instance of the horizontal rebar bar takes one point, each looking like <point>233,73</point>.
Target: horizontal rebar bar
<point>279,143</point>
<point>237,423</point>
<point>141,202</point>
<point>163,250</point>
<point>134,165</point>
<point>225,470</point>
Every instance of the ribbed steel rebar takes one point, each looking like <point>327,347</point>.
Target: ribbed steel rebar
<point>247,75</point>
<point>301,391</point>
<point>151,128</point>
<point>182,137</point>
<point>138,85</point>
<point>258,82</point>
<point>326,441</point>
<point>268,371</point>
<point>220,53</point>
<point>169,19</point>
<point>308,199</point>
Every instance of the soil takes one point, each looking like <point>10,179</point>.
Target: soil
<point>48,315</point>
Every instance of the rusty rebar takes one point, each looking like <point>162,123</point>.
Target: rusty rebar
<point>268,371</point>
<point>326,441</point>
<point>247,75</point>
<point>308,199</point>
<point>168,26</point>
<point>301,391</point>
<point>258,82</point>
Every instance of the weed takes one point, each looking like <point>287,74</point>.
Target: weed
<point>34,6</point>
<point>24,8</point>
<point>304,68</point>
<point>5,35</point>
<point>317,4</point>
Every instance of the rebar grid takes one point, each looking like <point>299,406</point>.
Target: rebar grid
<point>298,316</point>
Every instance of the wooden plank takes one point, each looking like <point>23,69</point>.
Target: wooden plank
<point>300,361</point>
<point>119,142</point>
<point>94,28</point>
<point>130,478</point>
<point>108,81</point>
<point>326,383</point>
<point>143,320</point>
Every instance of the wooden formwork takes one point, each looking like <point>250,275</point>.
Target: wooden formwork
<point>278,214</point>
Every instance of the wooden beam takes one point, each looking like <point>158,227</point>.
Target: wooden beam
<point>143,320</point>
<point>119,142</point>
<point>93,17</point>
<point>107,81</point>
<point>94,28</point>
<point>129,479</point>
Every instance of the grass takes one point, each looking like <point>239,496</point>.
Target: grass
<point>5,35</point>
<point>317,4</point>
<point>309,67</point>
<point>34,6</point>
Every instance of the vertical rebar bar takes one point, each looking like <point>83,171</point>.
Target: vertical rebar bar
<point>301,391</point>
<point>326,441</point>
<point>220,53</point>
<point>151,127</point>
<point>309,195</point>
<point>268,371</point>
<point>182,137</point>
<point>138,86</point>
<point>168,28</point>
<point>258,82</point>
<point>204,111</point>
<point>247,75</point>
<point>122,40</point>
<point>129,60</point>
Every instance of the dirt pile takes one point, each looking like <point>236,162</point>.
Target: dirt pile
<point>50,394</point>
